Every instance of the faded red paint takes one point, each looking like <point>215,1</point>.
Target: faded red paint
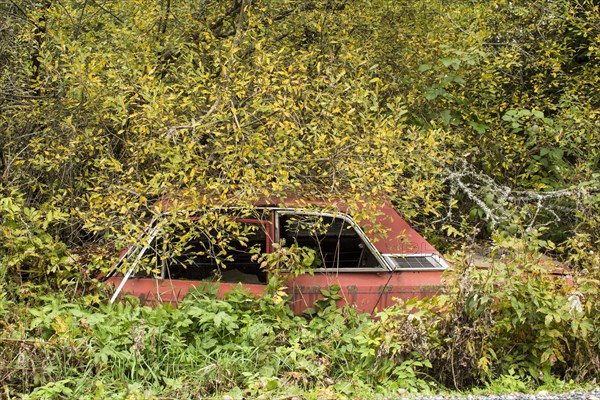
<point>367,291</point>
<point>401,238</point>
<point>153,291</point>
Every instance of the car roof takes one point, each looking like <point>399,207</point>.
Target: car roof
<point>383,225</point>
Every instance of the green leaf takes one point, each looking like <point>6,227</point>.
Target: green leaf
<point>479,128</point>
<point>424,67</point>
<point>272,384</point>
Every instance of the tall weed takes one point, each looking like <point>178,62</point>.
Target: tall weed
<point>513,318</point>
<point>511,322</point>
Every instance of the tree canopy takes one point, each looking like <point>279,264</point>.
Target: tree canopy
<point>472,117</point>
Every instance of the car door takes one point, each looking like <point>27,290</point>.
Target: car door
<point>173,260</point>
<point>345,257</point>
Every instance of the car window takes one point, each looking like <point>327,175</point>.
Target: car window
<point>416,261</point>
<point>337,242</point>
<point>190,252</point>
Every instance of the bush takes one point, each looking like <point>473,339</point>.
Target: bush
<point>512,322</point>
<point>514,318</point>
<point>29,255</point>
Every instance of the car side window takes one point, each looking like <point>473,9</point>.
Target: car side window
<point>336,241</point>
<point>191,253</point>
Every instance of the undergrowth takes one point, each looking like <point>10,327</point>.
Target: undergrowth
<point>512,326</point>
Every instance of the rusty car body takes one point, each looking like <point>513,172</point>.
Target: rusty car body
<point>373,260</point>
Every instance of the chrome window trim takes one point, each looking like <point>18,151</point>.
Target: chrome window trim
<point>386,262</point>
<point>135,250</point>
<point>384,265</point>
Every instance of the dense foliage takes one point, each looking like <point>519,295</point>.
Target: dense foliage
<point>487,327</point>
<point>478,120</point>
<point>458,112</point>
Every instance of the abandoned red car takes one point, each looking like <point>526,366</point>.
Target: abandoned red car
<point>375,260</point>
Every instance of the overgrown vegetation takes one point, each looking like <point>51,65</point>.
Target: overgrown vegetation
<point>480,121</point>
<point>512,322</point>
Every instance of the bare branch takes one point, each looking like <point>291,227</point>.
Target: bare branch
<point>476,185</point>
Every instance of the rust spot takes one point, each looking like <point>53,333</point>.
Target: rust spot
<point>428,290</point>
<point>298,289</point>
<point>353,293</point>
<point>385,289</point>
<point>314,289</point>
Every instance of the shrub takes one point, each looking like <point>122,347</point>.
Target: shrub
<point>511,322</point>
<point>513,318</point>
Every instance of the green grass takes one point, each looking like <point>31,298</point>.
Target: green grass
<point>245,347</point>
